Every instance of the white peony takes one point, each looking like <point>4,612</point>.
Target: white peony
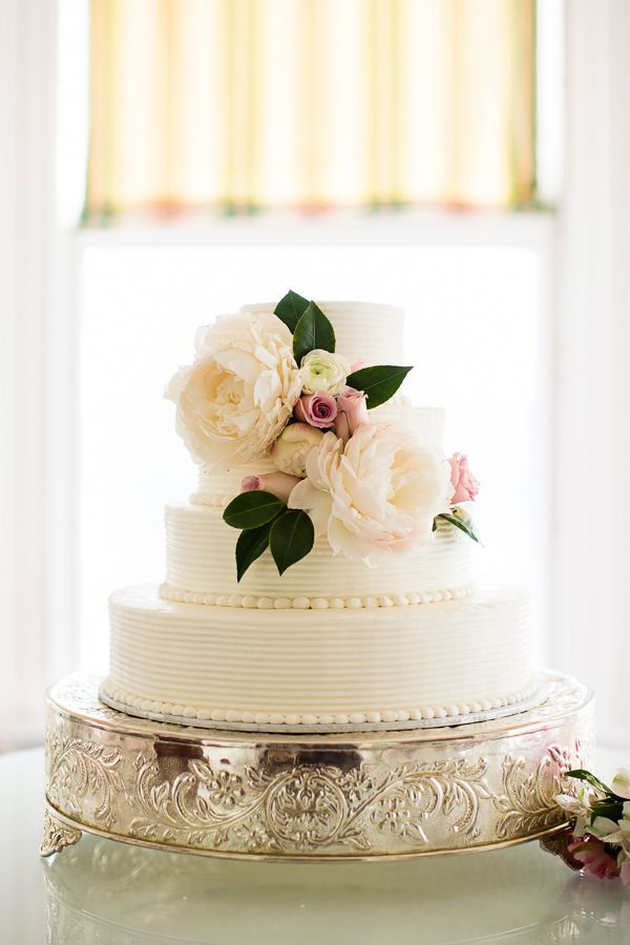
<point>323,371</point>
<point>239,394</point>
<point>378,494</point>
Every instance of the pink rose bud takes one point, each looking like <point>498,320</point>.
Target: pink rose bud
<point>319,410</point>
<point>464,483</point>
<point>251,484</point>
<point>278,483</point>
<point>351,412</point>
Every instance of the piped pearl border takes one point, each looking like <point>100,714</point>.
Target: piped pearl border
<point>418,717</point>
<point>252,602</point>
<point>211,499</point>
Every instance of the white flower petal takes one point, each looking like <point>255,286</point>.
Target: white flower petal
<point>238,395</point>
<point>621,783</point>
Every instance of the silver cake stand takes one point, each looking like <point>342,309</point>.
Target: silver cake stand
<point>337,796</point>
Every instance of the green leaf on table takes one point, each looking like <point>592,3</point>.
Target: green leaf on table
<point>459,521</point>
<point>290,308</point>
<point>582,775</point>
<point>379,383</point>
<point>251,509</point>
<point>292,537</point>
<point>250,545</point>
<point>313,330</point>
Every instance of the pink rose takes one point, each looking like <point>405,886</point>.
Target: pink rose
<point>591,853</point>
<point>351,412</point>
<point>464,483</point>
<point>318,409</point>
<point>278,483</point>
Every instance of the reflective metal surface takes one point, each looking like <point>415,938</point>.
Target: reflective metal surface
<point>359,795</point>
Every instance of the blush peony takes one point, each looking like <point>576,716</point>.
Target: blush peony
<point>377,495</point>
<point>238,395</point>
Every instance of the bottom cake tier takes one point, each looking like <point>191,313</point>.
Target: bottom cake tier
<point>320,670</point>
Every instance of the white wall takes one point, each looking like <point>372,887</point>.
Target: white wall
<point>591,623</point>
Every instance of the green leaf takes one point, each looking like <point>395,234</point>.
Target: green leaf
<point>463,524</point>
<point>290,308</point>
<point>251,509</point>
<point>313,330</point>
<point>609,808</point>
<point>582,775</point>
<point>292,536</point>
<point>379,383</point>
<point>250,545</point>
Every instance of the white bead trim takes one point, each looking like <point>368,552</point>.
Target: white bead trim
<point>208,498</point>
<point>251,601</point>
<point>419,716</point>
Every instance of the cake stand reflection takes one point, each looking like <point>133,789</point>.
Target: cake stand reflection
<point>103,892</point>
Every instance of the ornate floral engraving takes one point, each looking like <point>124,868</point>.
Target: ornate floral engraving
<point>57,835</point>
<point>308,808</point>
<point>382,794</point>
<point>527,803</point>
<point>80,768</point>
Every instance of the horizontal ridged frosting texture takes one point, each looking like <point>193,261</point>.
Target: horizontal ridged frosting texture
<point>363,330</point>
<point>200,558</point>
<point>447,658</point>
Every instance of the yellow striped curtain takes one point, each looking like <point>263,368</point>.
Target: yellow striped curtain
<point>240,105</point>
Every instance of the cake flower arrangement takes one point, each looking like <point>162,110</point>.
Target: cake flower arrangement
<point>598,840</point>
<point>270,385</point>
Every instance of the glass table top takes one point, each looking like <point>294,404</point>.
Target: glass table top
<point>104,892</point>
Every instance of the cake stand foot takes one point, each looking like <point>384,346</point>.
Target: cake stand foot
<point>57,835</point>
<point>557,844</point>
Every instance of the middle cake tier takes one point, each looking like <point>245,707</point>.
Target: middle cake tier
<point>201,569</point>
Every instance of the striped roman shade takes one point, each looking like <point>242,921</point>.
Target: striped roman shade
<point>240,105</point>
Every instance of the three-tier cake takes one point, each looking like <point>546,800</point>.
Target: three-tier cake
<point>319,579</point>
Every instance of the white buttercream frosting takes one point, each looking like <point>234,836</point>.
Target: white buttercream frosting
<point>331,642</point>
<point>363,330</point>
<point>200,559</point>
<point>318,667</point>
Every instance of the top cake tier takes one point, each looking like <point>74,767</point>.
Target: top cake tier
<point>364,330</point>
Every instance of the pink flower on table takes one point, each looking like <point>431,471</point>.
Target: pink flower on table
<point>278,483</point>
<point>465,486</point>
<point>351,412</point>
<point>591,853</point>
<point>320,409</point>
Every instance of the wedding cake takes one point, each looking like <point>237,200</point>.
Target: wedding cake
<point>319,579</point>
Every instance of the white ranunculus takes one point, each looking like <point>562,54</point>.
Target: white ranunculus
<point>290,450</point>
<point>378,494</point>
<point>239,394</point>
<point>323,371</point>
